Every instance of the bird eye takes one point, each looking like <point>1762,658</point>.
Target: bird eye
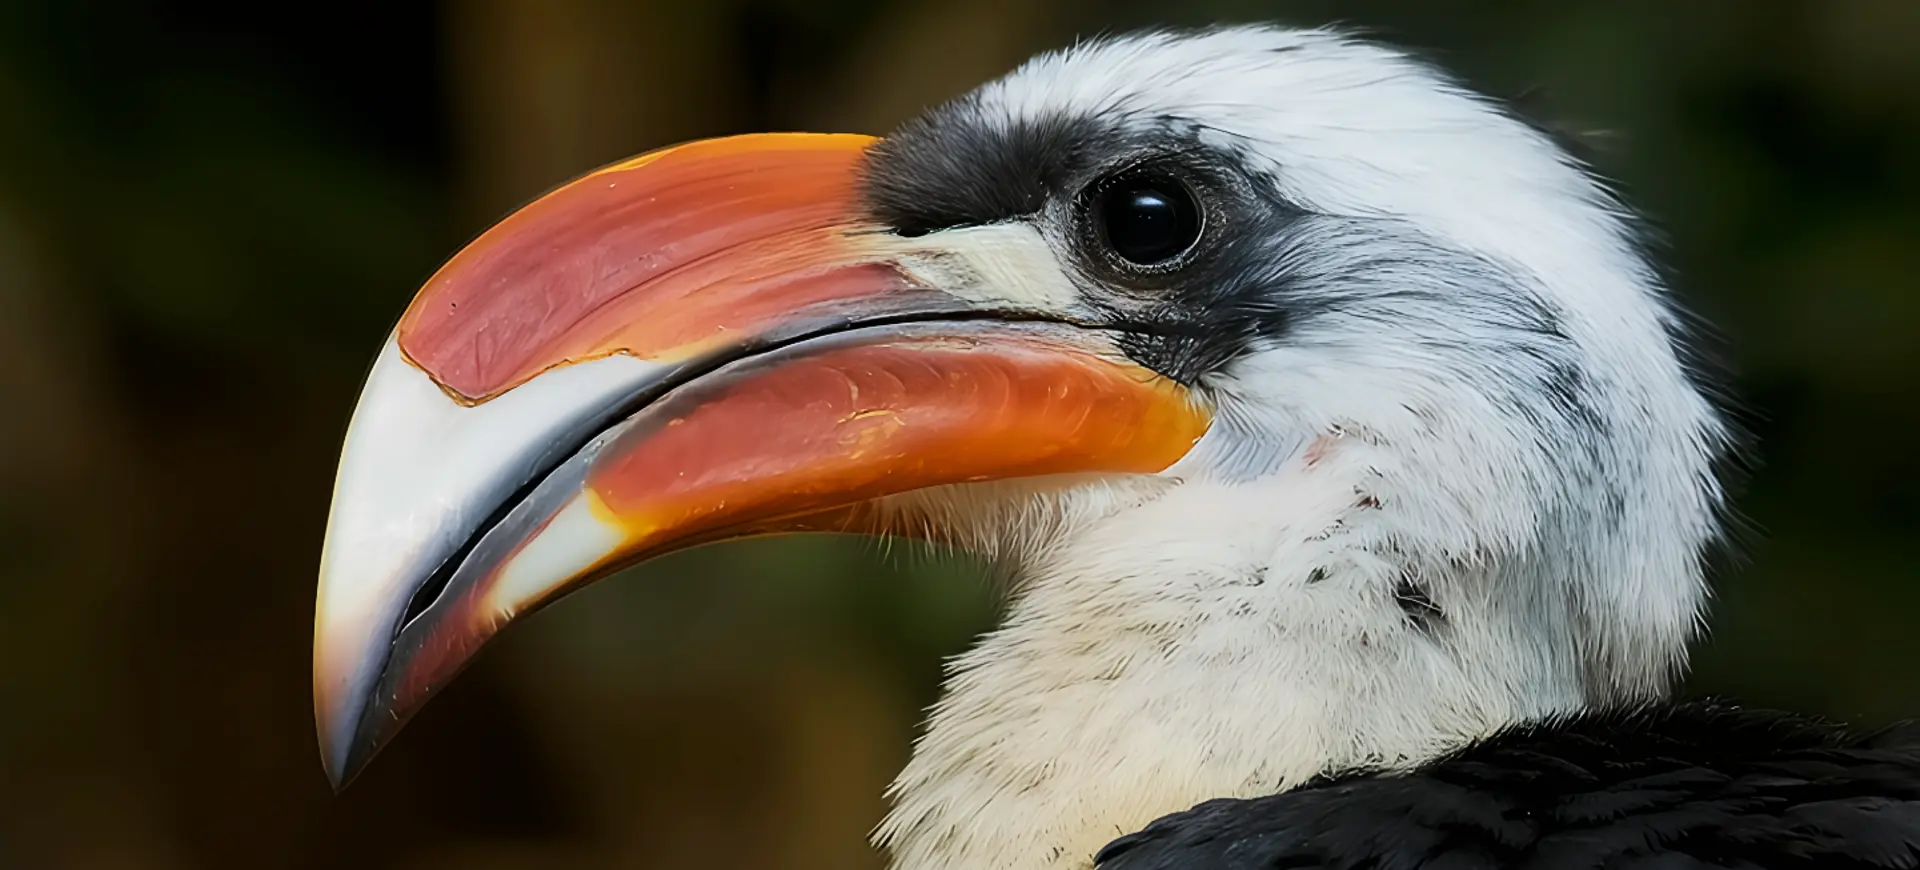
<point>1147,219</point>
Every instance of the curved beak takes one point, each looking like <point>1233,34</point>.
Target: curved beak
<point>704,342</point>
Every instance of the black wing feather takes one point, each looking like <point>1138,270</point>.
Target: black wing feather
<point>1674,787</point>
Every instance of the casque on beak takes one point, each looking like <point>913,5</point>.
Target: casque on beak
<point>700,343</point>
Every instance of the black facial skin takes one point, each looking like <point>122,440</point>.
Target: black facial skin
<point>1171,233</point>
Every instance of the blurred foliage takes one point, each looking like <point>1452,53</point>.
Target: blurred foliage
<point>210,213</point>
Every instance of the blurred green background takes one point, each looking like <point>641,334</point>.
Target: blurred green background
<point>211,212</point>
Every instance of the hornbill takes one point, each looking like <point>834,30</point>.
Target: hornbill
<point>1344,440</point>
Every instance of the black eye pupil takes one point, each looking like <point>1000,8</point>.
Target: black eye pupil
<point>1148,221</point>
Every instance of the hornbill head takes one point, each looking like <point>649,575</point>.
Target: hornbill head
<point>1332,415</point>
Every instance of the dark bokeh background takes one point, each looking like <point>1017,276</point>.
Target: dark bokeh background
<point>210,213</point>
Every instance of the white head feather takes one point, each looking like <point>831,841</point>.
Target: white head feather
<point>1487,406</point>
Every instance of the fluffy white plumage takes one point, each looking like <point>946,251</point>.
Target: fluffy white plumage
<point>1488,405</point>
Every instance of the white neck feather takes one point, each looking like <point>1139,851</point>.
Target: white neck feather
<point>1478,395</point>
<point>1204,640</point>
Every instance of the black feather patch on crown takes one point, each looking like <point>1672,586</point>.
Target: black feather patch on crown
<point>958,165</point>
